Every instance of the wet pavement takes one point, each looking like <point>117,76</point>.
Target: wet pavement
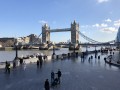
<point>77,74</point>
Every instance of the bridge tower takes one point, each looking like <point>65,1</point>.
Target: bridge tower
<point>74,32</point>
<point>45,34</point>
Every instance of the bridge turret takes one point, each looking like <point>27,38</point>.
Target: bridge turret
<point>45,33</point>
<point>74,32</point>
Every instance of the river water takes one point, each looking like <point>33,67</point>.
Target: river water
<point>10,55</point>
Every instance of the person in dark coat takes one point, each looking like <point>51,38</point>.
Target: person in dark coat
<point>52,76</point>
<point>37,63</point>
<point>47,85</point>
<point>14,64</point>
<point>59,75</point>
<point>6,66</point>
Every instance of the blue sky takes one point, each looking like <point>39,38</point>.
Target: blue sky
<point>98,19</point>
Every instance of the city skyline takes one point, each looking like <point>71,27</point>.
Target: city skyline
<point>98,19</point>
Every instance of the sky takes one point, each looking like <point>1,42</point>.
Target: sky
<point>98,19</point>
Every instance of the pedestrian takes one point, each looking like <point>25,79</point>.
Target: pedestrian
<point>47,85</point>
<point>37,63</point>
<point>6,66</point>
<point>52,76</point>
<point>44,57</point>
<point>41,61</point>
<point>24,65</point>
<point>14,64</point>
<point>59,75</point>
<point>21,61</point>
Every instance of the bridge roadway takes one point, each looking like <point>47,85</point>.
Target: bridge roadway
<point>59,30</point>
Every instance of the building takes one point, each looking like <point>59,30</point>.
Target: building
<point>7,42</point>
<point>22,40</point>
<point>34,39</point>
<point>118,36</point>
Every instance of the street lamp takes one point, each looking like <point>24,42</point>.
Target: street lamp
<point>16,49</point>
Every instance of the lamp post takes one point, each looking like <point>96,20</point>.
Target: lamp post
<point>16,49</point>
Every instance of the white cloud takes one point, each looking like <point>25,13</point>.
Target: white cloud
<point>108,20</point>
<point>109,29</point>
<point>103,25</point>
<point>96,25</point>
<point>42,22</point>
<point>100,25</point>
<point>102,1</point>
<point>117,23</point>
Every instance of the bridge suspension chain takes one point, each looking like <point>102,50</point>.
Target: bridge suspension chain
<point>87,38</point>
<point>94,41</point>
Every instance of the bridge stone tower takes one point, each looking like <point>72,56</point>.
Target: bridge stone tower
<point>45,34</point>
<point>74,32</point>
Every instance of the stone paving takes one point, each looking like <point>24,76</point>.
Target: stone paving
<point>77,74</point>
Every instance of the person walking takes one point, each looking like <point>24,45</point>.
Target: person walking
<point>47,85</point>
<point>52,76</point>
<point>59,75</point>
<point>6,66</point>
<point>37,63</point>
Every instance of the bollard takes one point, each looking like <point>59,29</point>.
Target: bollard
<point>98,57</point>
<point>105,59</point>
<point>95,56</point>
<point>68,54</point>
<point>91,57</point>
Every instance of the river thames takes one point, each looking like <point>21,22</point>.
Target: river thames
<point>10,55</point>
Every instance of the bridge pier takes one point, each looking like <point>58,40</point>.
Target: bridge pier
<point>73,47</point>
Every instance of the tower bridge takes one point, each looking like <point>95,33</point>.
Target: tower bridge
<point>74,29</point>
<point>75,33</point>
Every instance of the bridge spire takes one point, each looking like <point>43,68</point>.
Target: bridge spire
<point>74,32</point>
<point>45,33</point>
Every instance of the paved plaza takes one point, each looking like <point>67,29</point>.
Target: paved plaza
<point>77,74</point>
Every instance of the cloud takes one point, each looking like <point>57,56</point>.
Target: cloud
<point>42,22</point>
<point>96,25</point>
<point>102,1</point>
<point>100,25</point>
<point>103,25</point>
<point>117,23</point>
<point>109,29</point>
<point>108,20</point>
